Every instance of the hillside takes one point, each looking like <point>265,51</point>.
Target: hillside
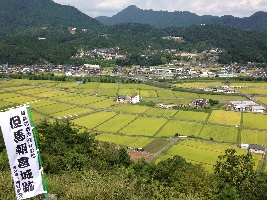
<point>163,19</point>
<point>18,16</point>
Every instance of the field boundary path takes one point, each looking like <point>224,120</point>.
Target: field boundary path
<point>163,149</point>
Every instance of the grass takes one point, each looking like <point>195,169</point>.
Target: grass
<point>180,127</point>
<point>145,126</point>
<point>219,133</point>
<point>225,117</point>
<point>254,120</point>
<point>191,115</point>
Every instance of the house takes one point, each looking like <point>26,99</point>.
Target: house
<point>134,99</point>
<point>199,103</point>
<point>258,109</point>
<point>121,99</point>
<point>254,148</point>
<point>257,149</point>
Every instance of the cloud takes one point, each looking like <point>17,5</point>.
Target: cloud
<point>238,8</point>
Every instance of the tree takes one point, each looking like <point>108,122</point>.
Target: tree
<point>235,172</point>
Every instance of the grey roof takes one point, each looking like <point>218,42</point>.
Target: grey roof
<point>257,147</point>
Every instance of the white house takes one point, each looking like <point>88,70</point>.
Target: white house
<point>134,99</point>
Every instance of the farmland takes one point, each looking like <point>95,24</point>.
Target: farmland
<point>225,117</point>
<point>92,106</point>
<point>205,153</point>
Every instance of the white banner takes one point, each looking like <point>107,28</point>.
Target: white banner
<point>22,153</point>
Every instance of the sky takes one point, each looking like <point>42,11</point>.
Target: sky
<point>237,8</point>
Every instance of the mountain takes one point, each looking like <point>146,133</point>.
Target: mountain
<point>163,19</point>
<point>19,15</point>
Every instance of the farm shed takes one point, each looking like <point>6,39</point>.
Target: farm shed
<point>257,149</point>
<point>259,109</point>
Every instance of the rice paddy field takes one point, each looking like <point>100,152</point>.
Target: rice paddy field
<point>181,127</point>
<point>254,120</point>
<point>225,117</point>
<point>254,137</point>
<point>209,133</point>
<point>144,126</point>
<point>203,152</point>
<point>219,133</point>
<point>191,115</point>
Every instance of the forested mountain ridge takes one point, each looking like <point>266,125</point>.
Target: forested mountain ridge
<point>239,46</point>
<point>38,15</point>
<point>24,21</point>
<point>163,19</point>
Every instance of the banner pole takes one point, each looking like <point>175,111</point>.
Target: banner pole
<point>38,151</point>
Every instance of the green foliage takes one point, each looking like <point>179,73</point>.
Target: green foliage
<point>39,15</point>
<point>235,172</point>
<point>147,103</point>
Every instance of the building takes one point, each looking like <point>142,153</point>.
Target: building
<point>134,99</point>
<point>254,148</point>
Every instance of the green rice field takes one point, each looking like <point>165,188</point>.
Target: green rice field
<point>128,108</point>
<point>143,126</point>
<point>160,112</point>
<point>180,127</point>
<point>262,100</point>
<point>116,123</point>
<point>93,120</point>
<point>205,153</point>
<point>225,117</point>
<point>219,133</point>
<point>254,120</point>
<point>191,115</point>
<point>249,136</point>
<point>134,142</point>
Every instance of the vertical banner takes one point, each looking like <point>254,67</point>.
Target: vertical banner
<point>22,152</point>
